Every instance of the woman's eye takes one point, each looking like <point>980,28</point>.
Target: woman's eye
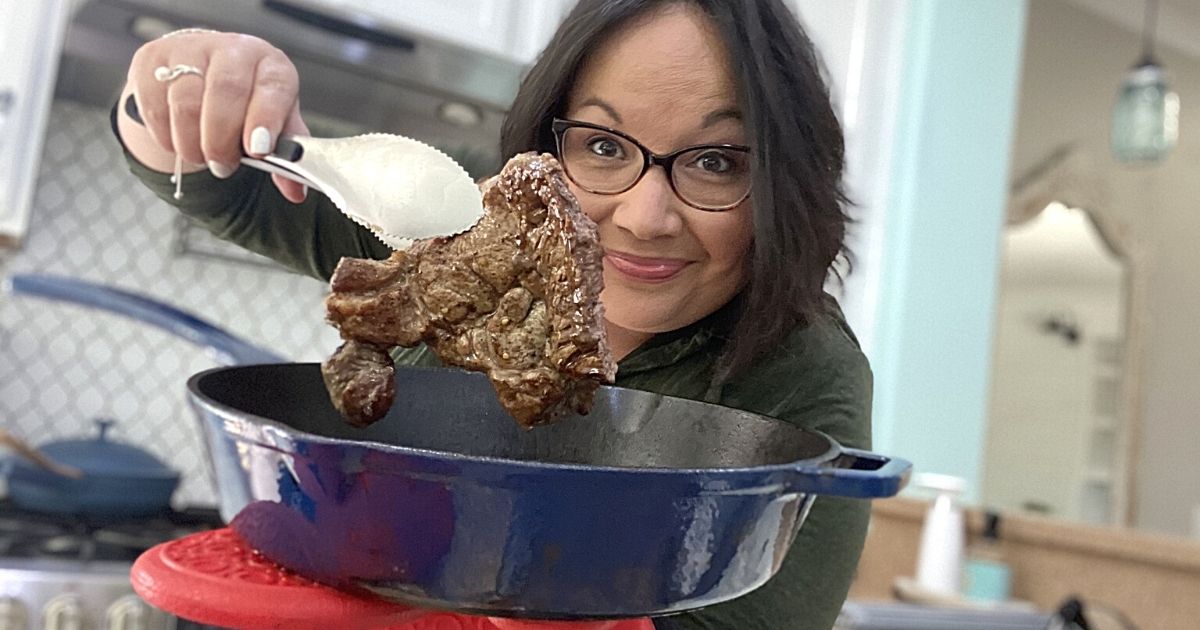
<point>714,162</point>
<point>605,146</point>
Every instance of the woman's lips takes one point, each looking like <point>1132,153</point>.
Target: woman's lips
<point>645,269</point>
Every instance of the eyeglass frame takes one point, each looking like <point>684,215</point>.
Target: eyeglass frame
<point>559,127</point>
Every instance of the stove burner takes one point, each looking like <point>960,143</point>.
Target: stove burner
<point>33,535</point>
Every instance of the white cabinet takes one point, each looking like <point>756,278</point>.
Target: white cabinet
<point>533,24</point>
<point>516,29</point>
<point>31,35</point>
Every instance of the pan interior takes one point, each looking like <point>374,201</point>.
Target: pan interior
<point>454,411</point>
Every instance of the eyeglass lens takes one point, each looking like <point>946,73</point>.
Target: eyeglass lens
<point>606,163</point>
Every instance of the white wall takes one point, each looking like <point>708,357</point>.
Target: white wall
<point>861,43</point>
<point>1072,68</point>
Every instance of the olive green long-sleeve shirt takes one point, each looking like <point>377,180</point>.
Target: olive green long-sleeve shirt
<point>818,379</point>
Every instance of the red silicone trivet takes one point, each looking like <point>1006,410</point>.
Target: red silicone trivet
<point>214,578</point>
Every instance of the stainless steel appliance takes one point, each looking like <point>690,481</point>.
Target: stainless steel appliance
<point>73,573</point>
<point>356,75</point>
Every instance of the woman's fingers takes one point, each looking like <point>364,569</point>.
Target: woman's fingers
<point>244,97</point>
<point>227,91</point>
<point>272,99</point>
<point>272,111</point>
<point>240,98</point>
<point>151,95</point>
<point>185,95</point>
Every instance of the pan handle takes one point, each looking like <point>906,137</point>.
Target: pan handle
<point>222,346</point>
<point>855,473</point>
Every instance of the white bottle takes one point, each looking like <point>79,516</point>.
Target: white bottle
<point>940,557</point>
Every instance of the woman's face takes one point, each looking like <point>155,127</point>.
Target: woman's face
<point>665,81</point>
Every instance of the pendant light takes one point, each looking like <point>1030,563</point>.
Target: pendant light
<point>1146,117</point>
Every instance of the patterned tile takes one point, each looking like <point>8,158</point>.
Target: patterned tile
<point>61,366</point>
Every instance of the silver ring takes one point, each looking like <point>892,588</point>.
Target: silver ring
<point>168,74</point>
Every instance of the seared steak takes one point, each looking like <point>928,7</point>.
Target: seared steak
<point>517,296</point>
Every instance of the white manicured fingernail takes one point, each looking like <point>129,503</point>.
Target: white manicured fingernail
<point>221,171</point>
<point>260,141</point>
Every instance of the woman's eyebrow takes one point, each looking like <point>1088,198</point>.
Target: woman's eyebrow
<point>608,109</point>
<point>709,120</point>
<point>719,115</point>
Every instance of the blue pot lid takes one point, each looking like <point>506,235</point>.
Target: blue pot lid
<point>105,457</point>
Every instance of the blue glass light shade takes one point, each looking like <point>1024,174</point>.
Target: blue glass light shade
<point>1146,116</point>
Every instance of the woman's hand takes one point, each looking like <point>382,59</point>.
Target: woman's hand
<point>245,96</point>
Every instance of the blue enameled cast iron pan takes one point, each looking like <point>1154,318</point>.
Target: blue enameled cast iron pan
<point>646,506</point>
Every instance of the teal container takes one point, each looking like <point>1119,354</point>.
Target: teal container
<point>987,580</point>
<point>986,577</point>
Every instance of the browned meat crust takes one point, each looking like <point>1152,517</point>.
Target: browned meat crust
<point>516,297</point>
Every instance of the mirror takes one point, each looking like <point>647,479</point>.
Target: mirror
<point>1062,422</point>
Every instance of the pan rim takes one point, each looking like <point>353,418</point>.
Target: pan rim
<point>812,465</point>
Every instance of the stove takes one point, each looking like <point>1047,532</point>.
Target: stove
<point>63,572</point>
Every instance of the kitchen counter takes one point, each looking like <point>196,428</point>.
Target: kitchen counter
<point>1151,578</point>
<point>899,616</point>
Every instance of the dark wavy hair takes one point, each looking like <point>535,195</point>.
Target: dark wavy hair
<point>797,195</point>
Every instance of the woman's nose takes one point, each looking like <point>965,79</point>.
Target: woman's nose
<point>649,209</point>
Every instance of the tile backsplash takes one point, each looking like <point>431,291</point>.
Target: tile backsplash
<point>61,366</point>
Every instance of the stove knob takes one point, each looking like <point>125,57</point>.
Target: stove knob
<point>129,613</point>
<point>64,612</point>
<point>12,614</point>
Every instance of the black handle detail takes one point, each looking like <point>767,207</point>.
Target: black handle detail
<point>339,25</point>
<point>131,110</point>
<point>288,149</point>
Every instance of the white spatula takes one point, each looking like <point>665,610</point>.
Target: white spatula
<point>401,189</point>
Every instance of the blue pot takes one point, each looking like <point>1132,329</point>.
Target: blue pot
<point>122,481</point>
<point>119,480</point>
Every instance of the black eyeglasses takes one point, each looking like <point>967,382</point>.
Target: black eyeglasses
<point>604,161</point>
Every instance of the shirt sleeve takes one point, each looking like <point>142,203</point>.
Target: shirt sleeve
<point>247,209</point>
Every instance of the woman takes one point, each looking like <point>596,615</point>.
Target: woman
<point>714,260</point>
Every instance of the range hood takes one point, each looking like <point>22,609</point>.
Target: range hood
<point>356,75</point>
